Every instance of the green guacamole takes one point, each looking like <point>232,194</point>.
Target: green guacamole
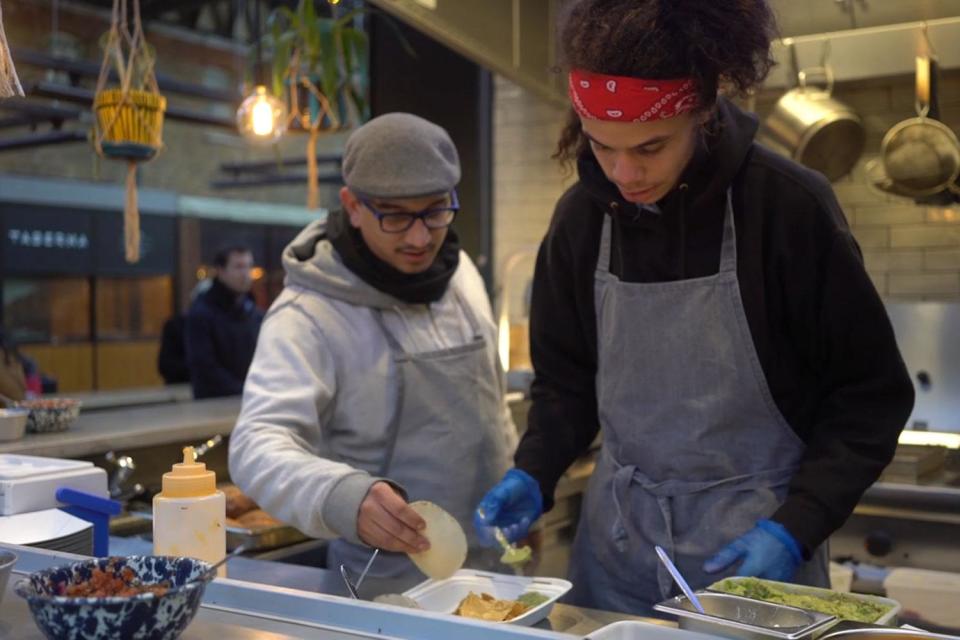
<point>838,604</point>
<point>532,599</point>
<point>517,555</point>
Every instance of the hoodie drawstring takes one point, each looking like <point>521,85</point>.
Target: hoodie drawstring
<point>683,188</point>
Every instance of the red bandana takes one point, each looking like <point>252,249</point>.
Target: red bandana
<point>624,99</point>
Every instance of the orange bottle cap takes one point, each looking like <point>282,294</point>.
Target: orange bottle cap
<point>189,479</point>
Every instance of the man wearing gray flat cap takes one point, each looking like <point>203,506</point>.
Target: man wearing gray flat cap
<point>376,378</point>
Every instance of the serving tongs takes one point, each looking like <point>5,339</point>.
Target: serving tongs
<point>354,588</point>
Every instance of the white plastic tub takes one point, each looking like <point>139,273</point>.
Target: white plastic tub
<point>443,596</point>
<point>635,630</point>
<point>932,596</point>
<point>13,423</point>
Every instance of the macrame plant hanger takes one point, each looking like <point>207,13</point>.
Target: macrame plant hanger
<point>129,117</point>
<point>9,82</point>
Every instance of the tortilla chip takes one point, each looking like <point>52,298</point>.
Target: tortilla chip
<point>485,607</point>
<point>448,543</point>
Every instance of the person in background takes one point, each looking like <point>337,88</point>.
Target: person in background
<point>13,380</point>
<point>376,377</point>
<point>703,300</point>
<point>222,326</point>
<point>172,358</point>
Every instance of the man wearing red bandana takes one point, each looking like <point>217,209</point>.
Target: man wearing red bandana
<point>703,301</point>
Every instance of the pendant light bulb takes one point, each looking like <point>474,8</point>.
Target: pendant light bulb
<point>261,117</point>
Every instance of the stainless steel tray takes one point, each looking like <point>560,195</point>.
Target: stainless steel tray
<point>746,619</point>
<point>885,634</point>
<point>257,539</point>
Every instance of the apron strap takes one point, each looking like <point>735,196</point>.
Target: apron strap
<point>393,427</point>
<point>603,261</point>
<point>728,248</point>
<point>400,356</point>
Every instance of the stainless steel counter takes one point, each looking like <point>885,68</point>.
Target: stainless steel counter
<point>234,608</point>
<point>563,618</point>
<point>100,431</point>
<point>134,397</point>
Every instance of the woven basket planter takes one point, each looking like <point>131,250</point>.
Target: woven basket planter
<point>131,126</point>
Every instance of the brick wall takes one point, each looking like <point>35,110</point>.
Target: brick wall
<point>526,182</point>
<point>911,252</point>
<point>192,153</point>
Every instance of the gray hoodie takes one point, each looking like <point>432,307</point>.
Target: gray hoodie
<point>322,387</point>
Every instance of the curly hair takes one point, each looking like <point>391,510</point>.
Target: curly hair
<point>718,43</point>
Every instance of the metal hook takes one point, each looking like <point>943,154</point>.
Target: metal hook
<point>792,57</point>
<point>931,51</point>
<point>825,51</point>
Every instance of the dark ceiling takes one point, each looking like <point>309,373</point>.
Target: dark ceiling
<point>216,17</point>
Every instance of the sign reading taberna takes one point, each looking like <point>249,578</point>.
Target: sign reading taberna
<point>48,241</point>
<point>45,240</point>
<point>28,237</point>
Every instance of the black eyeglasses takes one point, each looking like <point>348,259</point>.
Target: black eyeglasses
<point>432,217</point>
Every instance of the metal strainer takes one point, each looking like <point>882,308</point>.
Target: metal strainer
<point>921,155</point>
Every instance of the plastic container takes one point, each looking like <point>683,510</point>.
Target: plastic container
<point>443,596</point>
<point>841,577</point>
<point>931,596</point>
<point>189,513</point>
<point>30,483</point>
<point>7,560</point>
<point>13,423</point>
<point>636,630</point>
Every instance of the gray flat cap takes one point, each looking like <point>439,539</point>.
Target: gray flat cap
<point>400,155</point>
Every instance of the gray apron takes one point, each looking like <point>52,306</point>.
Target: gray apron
<point>444,444</point>
<point>694,449</point>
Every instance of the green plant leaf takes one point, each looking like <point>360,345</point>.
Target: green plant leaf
<point>329,54</point>
<point>281,63</point>
<point>360,102</point>
<point>347,18</point>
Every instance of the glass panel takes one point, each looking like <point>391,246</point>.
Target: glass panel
<point>46,310</point>
<point>133,307</point>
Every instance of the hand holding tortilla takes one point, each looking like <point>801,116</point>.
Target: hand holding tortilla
<point>385,521</point>
<point>447,543</point>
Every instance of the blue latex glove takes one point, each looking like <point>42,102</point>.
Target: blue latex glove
<point>768,551</point>
<point>513,504</point>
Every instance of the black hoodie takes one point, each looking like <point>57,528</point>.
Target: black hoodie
<point>821,332</point>
<point>220,335</point>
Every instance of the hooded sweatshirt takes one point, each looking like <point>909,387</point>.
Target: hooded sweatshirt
<point>323,385</point>
<point>821,332</point>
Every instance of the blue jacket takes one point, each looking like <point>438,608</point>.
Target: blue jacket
<point>221,335</point>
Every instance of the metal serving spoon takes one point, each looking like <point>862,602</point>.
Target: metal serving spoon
<point>687,591</point>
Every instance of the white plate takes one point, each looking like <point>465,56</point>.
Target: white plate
<point>40,526</point>
<point>443,596</point>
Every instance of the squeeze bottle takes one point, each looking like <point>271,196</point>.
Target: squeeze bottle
<point>189,513</point>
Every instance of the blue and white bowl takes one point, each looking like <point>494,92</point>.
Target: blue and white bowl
<point>141,617</point>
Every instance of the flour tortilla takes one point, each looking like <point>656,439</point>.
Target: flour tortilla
<point>448,543</point>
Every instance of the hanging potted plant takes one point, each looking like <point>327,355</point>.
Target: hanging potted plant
<point>319,64</point>
<point>128,122</point>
